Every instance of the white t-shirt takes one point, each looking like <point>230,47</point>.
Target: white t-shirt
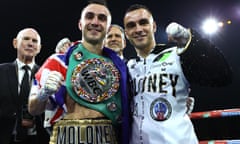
<point>159,106</point>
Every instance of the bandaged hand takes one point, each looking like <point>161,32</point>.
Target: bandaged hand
<point>177,33</point>
<point>52,85</point>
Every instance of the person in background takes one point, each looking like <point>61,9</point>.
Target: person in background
<point>95,97</point>
<point>162,74</point>
<point>115,39</point>
<point>17,125</point>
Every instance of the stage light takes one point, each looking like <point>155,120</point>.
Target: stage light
<point>220,24</point>
<point>210,26</point>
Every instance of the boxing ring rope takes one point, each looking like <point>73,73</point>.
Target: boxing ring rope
<point>220,142</point>
<point>215,114</point>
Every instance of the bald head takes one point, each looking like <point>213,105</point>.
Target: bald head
<point>28,45</point>
<point>21,33</point>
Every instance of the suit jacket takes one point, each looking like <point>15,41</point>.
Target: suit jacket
<point>10,102</point>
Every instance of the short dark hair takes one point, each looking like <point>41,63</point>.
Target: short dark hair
<point>101,2</point>
<point>137,6</point>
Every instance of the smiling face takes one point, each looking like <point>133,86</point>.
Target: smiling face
<point>27,44</point>
<point>139,29</point>
<point>115,39</point>
<point>94,23</point>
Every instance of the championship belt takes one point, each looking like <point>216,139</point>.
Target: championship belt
<point>83,131</point>
<point>93,81</point>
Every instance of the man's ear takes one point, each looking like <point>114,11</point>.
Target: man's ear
<point>154,26</point>
<point>126,34</point>
<point>40,47</point>
<point>14,42</point>
<point>124,43</point>
<point>80,25</point>
<point>104,41</point>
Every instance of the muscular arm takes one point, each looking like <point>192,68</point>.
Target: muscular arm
<point>49,78</point>
<point>36,106</point>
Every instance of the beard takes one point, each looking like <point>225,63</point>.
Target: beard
<point>117,50</point>
<point>142,44</point>
<point>94,39</point>
<point>94,34</point>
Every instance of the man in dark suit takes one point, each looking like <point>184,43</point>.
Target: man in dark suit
<point>17,126</point>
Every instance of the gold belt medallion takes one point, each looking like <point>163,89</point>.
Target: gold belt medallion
<point>83,132</point>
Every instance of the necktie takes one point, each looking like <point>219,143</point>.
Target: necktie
<point>25,84</point>
<point>24,93</point>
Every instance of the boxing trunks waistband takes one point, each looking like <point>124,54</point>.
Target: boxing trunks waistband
<point>94,131</point>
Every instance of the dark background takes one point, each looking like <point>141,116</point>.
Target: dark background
<point>57,19</point>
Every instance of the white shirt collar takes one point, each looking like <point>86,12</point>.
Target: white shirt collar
<point>21,64</point>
